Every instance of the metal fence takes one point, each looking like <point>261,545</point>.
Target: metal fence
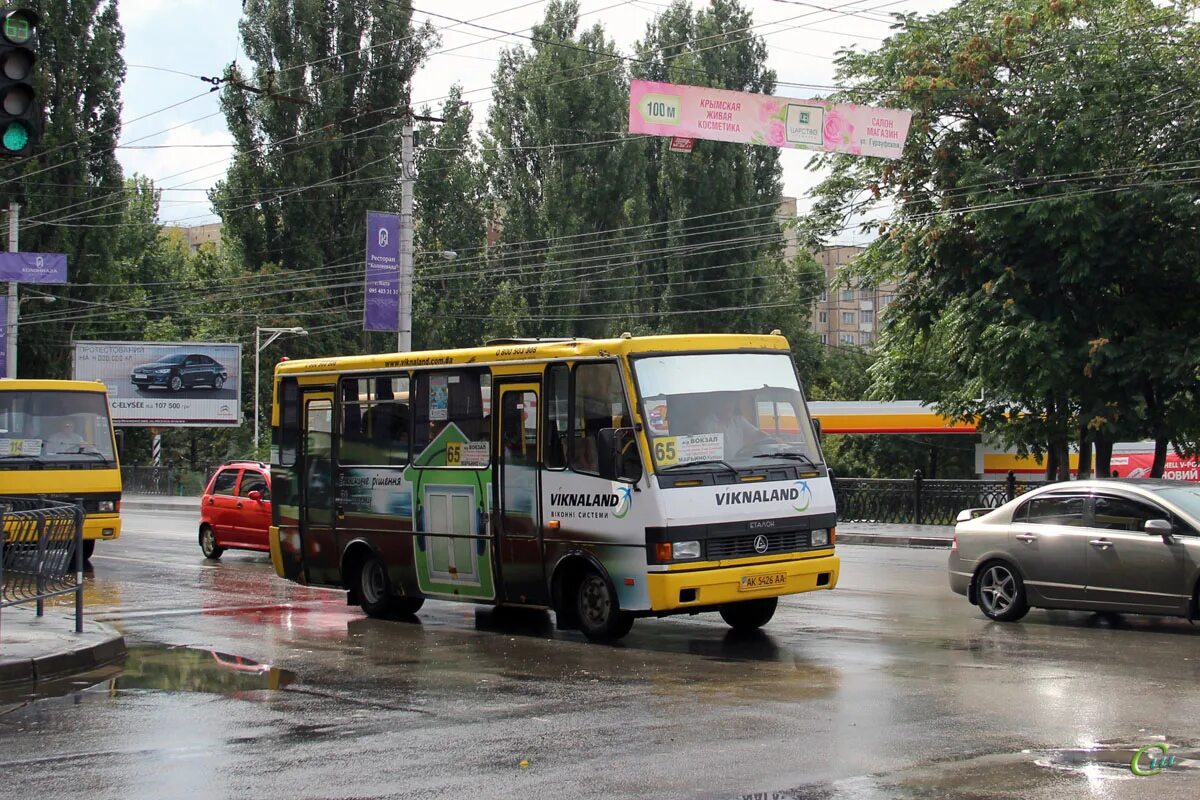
<point>170,480</point>
<point>41,553</point>
<point>919,500</point>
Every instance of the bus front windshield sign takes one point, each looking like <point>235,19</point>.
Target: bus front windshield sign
<point>743,409</point>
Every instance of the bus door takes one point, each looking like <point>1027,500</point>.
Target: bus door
<point>316,487</point>
<point>517,514</point>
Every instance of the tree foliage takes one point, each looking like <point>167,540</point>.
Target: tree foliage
<point>71,190</point>
<point>1044,223</point>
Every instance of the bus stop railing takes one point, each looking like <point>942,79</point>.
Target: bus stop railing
<point>41,553</point>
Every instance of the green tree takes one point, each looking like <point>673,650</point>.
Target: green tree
<point>71,191</point>
<point>316,124</point>
<point>451,218</point>
<point>716,246</point>
<point>1039,227</point>
<point>563,177</point>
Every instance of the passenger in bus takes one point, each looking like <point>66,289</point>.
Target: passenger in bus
<point>727,420</point>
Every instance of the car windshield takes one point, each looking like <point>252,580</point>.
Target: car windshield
<point>46,426</point>
<point>175,359</point>
<point>722,410</point>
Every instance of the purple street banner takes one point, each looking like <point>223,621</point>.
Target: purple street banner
<point>33,267</point>
<point>668,109</point>
<point>4,338</point>
<point>381,306</point>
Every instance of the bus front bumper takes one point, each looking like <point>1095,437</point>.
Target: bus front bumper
<point>101,526</point>
<point>718,583</point>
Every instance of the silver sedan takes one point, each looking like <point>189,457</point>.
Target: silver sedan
<point>1118,545</point>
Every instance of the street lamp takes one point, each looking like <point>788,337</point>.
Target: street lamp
<point>258,346</point>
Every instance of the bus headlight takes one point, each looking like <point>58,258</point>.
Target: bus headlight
<point>819,538</point>
<point>681,550</point>
<point>106,506</point>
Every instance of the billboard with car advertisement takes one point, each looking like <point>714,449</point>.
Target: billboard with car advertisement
<point>166,383</point>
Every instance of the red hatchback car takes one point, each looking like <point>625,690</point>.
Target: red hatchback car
<point>235,511</point>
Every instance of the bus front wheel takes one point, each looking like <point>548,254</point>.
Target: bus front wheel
<point>600,617</point>
<point>749,615</point>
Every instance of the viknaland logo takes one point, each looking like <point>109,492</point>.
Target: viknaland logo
<point>625,493</point>
<point>805,498</point>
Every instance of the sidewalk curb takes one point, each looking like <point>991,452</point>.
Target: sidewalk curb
<point>151,505</point>
<point>62,664</point>
<point>882,540</point>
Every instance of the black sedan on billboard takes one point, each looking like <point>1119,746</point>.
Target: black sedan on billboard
<point>177,371</point>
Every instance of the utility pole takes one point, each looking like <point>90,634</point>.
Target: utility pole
<point>407,176</point>
<point>14,305</point>
<point>404,329</point>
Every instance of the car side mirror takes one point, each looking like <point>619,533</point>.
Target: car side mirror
<point>255,495</point>
<point>617,455</point>
<point>1160,527</point>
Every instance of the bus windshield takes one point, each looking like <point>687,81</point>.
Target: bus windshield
<point>722,410</point>
<point>55,427</point>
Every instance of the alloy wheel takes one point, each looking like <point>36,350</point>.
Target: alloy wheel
<point>997,589</point>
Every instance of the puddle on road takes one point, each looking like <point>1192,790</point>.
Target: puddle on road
<point>1056,772</point>
<point>165,669</point>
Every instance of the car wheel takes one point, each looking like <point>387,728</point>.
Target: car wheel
<point>208,543</point>
<point>218,381</point>
<point>175,383</point>
<point>89,547</point>
<point>600,617</point>
<point>374,588</point>
<point>1001,592</point>
<point>749,615</point>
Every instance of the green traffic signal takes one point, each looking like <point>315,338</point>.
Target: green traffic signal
<point>20,107</point>
<point>17,29</point>
<point>16,137</point>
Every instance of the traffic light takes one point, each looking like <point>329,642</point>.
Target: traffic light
<point>18,101</point>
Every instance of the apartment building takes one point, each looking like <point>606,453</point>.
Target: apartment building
<point>848,315</point>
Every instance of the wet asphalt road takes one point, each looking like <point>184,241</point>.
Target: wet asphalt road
<point>239,684</point>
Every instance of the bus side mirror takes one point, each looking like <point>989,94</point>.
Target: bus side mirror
<point>617,455</point>
<point>816,421</point>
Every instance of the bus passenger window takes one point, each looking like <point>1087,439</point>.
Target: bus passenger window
<point>374,422</point>
<point>599,404</point>
<point>443,398</point>
<point>558,420</point>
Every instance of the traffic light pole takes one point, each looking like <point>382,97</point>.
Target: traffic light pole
<point>14,305</point>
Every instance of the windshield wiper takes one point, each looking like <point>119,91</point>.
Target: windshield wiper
<point>794,455</point>
<point>705,463</point>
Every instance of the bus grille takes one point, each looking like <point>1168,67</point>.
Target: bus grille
<point>741,546</point>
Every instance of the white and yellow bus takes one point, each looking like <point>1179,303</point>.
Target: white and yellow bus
<point>57,443</point>
<point>603,479</point>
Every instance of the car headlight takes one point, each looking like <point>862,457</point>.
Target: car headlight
<point>685,550</point>
<point>163,371</point>
<point>819,537</point>
<point>107,506</point>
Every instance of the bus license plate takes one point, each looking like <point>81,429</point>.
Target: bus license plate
<point>751,583</point>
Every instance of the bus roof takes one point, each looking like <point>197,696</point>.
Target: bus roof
<point>37,384</point>
<point>539,350</point>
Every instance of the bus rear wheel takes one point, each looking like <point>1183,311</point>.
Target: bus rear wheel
<point>749,615</point>
<point>600,617</point>
<point>374,588</point>
<point>89,547</point>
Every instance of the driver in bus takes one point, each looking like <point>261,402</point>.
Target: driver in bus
<point>726,419</point>
<point>66,439</point>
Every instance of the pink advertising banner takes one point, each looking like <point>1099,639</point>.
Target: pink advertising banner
<point>668,109</point>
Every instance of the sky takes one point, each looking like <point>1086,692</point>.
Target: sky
<point>174,132</point>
